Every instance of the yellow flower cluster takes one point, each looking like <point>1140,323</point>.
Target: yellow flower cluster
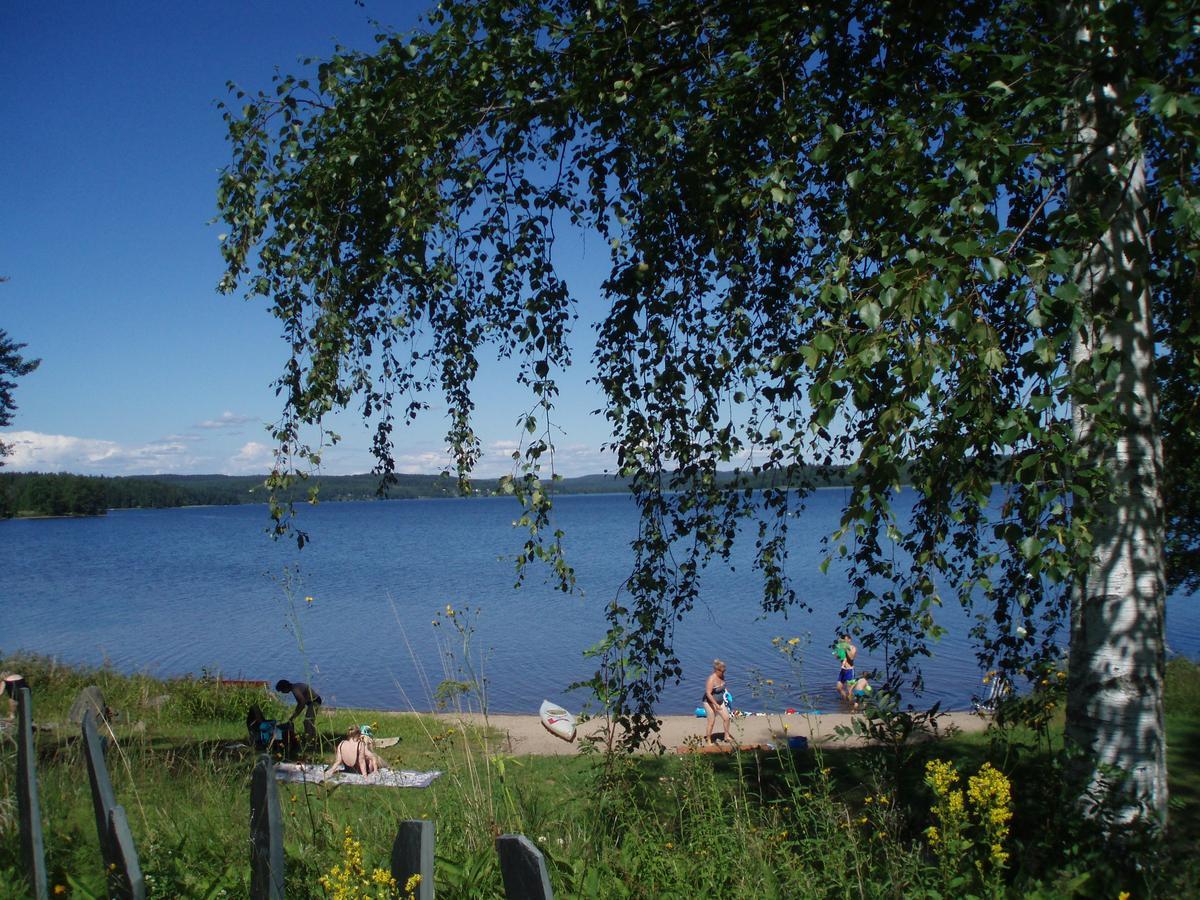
<point>350,881</point>
<point>990,793</point>
<point>941,776</point>
<point>944,837</point>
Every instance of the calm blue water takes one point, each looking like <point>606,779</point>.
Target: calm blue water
<point>175,591</point>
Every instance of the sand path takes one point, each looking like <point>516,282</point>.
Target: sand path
<point>525,736</point>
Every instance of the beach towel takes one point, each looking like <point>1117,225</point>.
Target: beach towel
<point>300,773</point>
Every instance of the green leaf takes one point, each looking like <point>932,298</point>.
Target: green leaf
<point>870,312</point>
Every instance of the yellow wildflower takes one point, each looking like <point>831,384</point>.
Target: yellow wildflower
<point>941,776</point>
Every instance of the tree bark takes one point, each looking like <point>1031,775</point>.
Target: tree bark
<point>1115,687</point>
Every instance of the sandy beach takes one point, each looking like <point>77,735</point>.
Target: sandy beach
<point>525,735</point>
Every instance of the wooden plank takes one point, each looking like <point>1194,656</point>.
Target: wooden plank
<point>523,868</point>
<point>103,800</point>
<point>412,854</point>
<point>266,833</point>
<point>29,810</point>
<point>125,881</point>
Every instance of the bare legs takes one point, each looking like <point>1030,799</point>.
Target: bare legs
<point>711,715</point>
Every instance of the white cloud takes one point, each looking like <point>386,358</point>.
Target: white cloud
<point>226,420</point>
<point>179,454</point>
<point>253,459</point>
<point>32,451</point>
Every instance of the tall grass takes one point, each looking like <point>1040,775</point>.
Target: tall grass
<point>840,824</point>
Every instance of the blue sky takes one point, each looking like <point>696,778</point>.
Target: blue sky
<point>112,146</point>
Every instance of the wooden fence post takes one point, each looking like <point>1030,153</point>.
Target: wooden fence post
<point>121,865</point>
<point>33,850</point>
<point>266,833</point>
<point>523,868</point>
<point>412,854</point>
<point>102,793</point>
<point>126,880</point>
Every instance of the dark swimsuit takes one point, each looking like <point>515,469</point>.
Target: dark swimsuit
<point>717,692</point>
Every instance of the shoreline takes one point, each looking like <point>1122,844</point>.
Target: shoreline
<point>524,735</point>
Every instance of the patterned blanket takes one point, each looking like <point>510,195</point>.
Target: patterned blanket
<point>300,773</point>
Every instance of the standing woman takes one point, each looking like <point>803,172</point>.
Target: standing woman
<point>714,699</point>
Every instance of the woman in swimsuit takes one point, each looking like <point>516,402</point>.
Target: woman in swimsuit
<point>354,755</point>
<point>714,698</point>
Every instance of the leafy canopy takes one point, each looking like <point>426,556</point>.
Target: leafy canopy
<point>838,232</point>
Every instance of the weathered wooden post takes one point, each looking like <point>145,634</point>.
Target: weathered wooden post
<point>126,880</point>
<point>412,854</point>
<point>102,793</point>
<point>523,868</point>
<point>121,865</point>
<point>266,833</point>
<point>33,850</point>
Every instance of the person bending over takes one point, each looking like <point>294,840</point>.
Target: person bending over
<point>306,700</point>
<point>860,690</point>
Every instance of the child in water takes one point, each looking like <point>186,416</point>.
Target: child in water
<point>859,692</point>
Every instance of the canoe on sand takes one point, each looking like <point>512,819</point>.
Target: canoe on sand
<point>558,721</point>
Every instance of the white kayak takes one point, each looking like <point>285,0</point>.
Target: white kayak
<point>558,721</point>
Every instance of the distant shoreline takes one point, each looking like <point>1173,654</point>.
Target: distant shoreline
<point>34,495</point>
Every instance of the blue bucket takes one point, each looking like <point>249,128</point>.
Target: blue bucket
<point>700,713</point>
<point>797,743</point>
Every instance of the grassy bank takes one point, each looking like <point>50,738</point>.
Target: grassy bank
<point>845,823</point>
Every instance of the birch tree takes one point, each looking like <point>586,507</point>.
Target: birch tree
<point>920,240</point>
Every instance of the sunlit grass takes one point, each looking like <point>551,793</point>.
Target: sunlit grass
<point>843,822</point>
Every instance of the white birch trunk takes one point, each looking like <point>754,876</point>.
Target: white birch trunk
<point>1115,687</point>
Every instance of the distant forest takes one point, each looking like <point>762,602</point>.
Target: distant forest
<point>45,494</point>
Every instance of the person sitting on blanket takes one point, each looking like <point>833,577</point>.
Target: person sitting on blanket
<point>353,755</point>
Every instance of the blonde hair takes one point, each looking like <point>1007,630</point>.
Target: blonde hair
<point>718,663</point>
<point>354,733</point>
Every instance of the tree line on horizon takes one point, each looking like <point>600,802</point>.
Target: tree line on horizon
<point>32,494</point>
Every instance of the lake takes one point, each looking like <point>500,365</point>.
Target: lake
<point>179,591</point>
